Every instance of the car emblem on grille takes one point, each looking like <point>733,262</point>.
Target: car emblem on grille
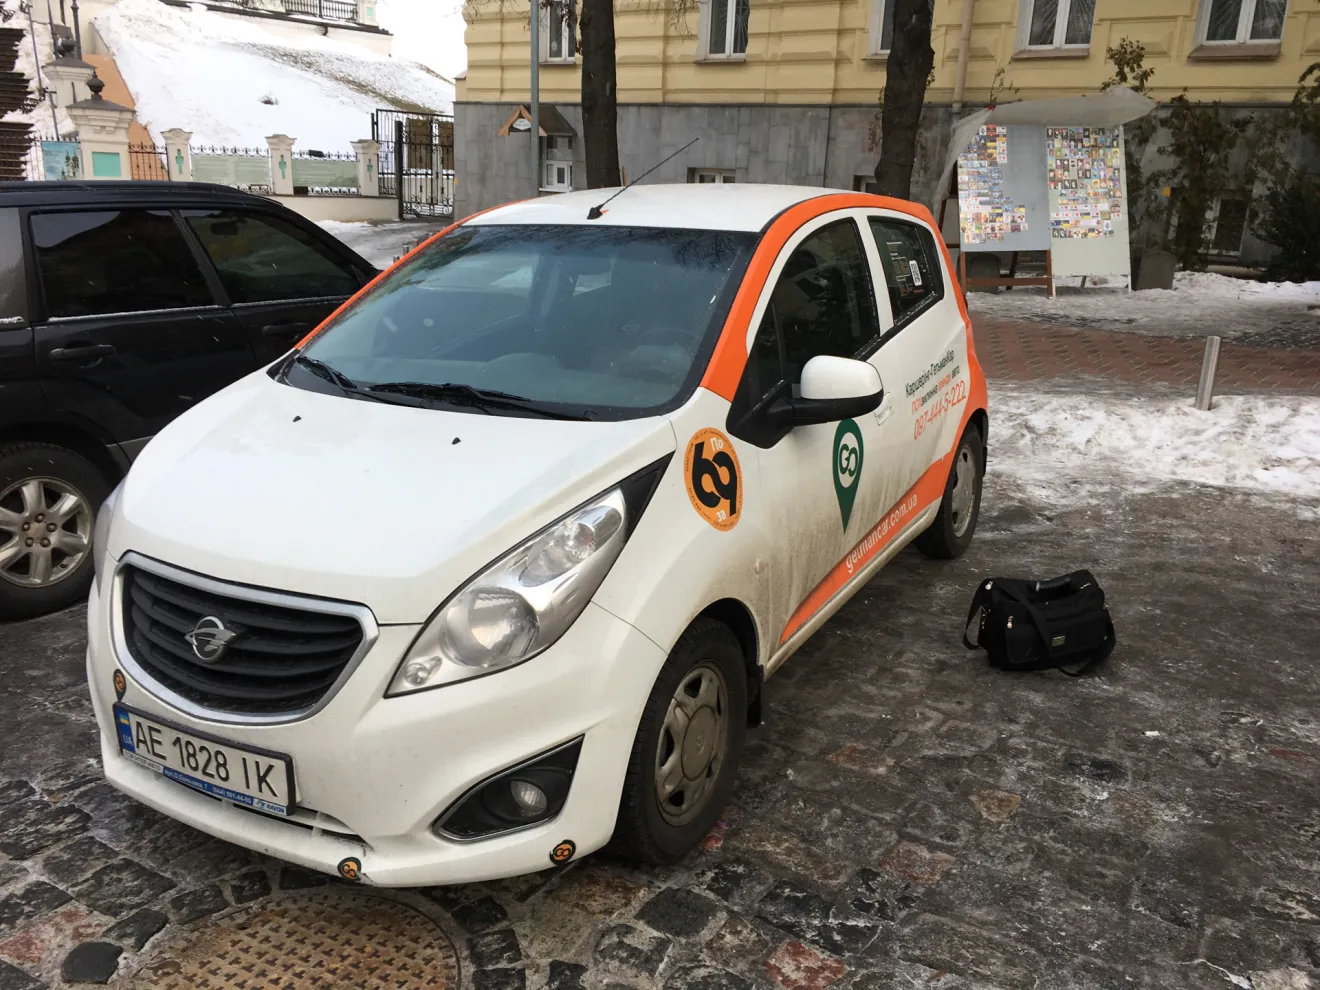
<point>209,639</point>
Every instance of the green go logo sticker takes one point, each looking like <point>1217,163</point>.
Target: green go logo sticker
<point>847,466</point>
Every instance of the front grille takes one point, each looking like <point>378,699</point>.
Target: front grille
<point>280,660</point>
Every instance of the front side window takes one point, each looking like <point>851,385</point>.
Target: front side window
<point>822,303</point>
<point>912,271</point>
<point>1059,23</point>
<point>115,261</point>
<point>263,258</point>
<point>727,28</point>
<point>598,322</point>
<point>1242,21</point>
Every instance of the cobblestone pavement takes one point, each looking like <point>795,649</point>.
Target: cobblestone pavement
<point>906,817</point>
<point>1024,350</point>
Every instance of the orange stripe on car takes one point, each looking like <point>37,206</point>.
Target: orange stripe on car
<point>386,273</point>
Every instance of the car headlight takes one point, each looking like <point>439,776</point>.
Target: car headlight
<point>523,603</point>
<point>101,534</point>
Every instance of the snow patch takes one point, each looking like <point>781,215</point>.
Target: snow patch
<point>381,243</point>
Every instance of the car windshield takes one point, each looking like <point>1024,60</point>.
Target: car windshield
<point>590,322</point>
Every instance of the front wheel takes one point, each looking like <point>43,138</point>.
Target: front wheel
<point>687,748</point>
<point>951,531</point>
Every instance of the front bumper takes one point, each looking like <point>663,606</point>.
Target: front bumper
<point>379,771</point>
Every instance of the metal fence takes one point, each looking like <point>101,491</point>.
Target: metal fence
<point>147,162</point>
<point>20,158</point>
<point>242,168</point>
<point>328,10</point>
<point>416,162</point>
<point>317,173</point>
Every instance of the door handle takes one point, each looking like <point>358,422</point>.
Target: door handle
<point>82,353</point>
<point>884,411</point>
<point>284,329</point>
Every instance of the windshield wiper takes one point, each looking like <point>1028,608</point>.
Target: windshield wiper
<point>479,398</point>
<point>346,384</point>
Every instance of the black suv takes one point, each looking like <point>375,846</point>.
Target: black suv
<point>121,305</point>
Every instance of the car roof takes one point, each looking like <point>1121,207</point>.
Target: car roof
<point>66,192</point>
<point>697,206</point>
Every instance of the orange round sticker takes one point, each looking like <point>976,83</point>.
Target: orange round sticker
<point>713,479</point>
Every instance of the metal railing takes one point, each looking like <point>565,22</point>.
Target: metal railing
<point>147,162</point>
<point>327,10</point>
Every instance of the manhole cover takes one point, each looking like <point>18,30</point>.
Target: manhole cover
<point>314,941</point>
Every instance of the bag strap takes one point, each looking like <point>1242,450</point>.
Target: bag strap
<point>1037,619</point>
<point>978,603</point>
<point>1102,652</point>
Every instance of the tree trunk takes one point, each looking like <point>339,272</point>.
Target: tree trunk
<point>906,72</point>
<point>600,112</point>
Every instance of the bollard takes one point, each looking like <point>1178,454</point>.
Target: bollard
<point>1205,390</point>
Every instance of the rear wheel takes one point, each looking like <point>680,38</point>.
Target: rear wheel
<point>951,531</point>
<point>687,748</point>
<point>48,501</point>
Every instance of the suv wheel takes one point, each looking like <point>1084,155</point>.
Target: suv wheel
<point>48,501</point>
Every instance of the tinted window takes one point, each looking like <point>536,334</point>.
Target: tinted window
<point>615,320</point>
<point>822,304</point>
<point>13,280</point>
<point>264,259</point>
<point>94,264</point>
<point>912,272</point>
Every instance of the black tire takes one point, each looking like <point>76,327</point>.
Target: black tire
<point>23,461</point>
<point>642,832</point>
<point>947,537</point>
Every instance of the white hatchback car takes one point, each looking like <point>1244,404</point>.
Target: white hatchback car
<point>488,572</point>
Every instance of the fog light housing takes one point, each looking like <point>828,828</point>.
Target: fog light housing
<point>529,794</point>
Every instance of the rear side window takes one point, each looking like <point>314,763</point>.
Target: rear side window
<point>912,271</point>
<point>115,261</point>
<point>13,280</point>
<point>263,258</point>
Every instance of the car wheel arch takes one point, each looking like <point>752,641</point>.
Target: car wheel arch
<point>72,438</point>
<point>738,619</point>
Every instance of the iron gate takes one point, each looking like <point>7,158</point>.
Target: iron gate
<point>416,161</point>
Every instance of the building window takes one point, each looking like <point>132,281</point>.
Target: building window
<point>1048,24</point>
<point>866,184</point>
<point>704,175</point>
<point>1238,22</point>
<point>882,26</point>
<point>558,31</point>
<point>557,177</point>
<point>725,28</point>
<point>1228,225</point>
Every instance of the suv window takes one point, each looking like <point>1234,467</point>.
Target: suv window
<point>115,261</point>
<point>912,270</point>
<point>265,259</point>
<point>823,303</point>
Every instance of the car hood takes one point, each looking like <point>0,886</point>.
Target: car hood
<point>390,506</point>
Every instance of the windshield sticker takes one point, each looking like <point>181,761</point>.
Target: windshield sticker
<point>847,466</point>
<point>713,479</point>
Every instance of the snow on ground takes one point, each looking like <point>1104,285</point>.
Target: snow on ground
<point>382,243</point>
<point>427,31</point>
<point>1199,303</point>
<point>209,73</point>
<point>1065,441</point>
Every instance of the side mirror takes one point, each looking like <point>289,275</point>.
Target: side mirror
<point>833,389</point>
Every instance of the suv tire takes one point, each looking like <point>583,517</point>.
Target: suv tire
<point>55,493</point>
<point>703,687</point>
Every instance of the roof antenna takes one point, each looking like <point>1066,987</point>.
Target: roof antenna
<point>596,212</point>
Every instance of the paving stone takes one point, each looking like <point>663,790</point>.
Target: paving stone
<point>249,886</point>
<point>795,966</point>
<point>296,878</point>
<point>1289,905</point>
<point>137,929</point>
<point>499,979</point>
<point>943,945</point>
<point>1097,768</point>
<point>1169,902</point>
<point>480,916</point>
<point>193,904</point>
<point>18,908</point>
<point>917,863</point>
<point>698,977</point>
<point>739,945</point>
<point>882,895</point>
<point>449,898</point>
<point>782,851</point>
<point>76,859</point>
<point>735,881</point>
<point>13,978</point>
<point>930,824</point>
<point>41,943</point>
<point>494,949</point>
<point>678,912</point>
<point>599,892</point>
<point>996,806</point>
<point>812,918</point>
<point>631,952</point>
<point>565,976</point>
<point>553,931</point>
<point>15,790</point>
<point>121,887</point>
<point>12,873</point>
<point>31,825</point>
<point>91,962</point>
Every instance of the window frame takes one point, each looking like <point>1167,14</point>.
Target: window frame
<point>935,262</point>
<point>720,176</point>
<point>566,165</point>
<point>568,37</point>
<point>704,54</point>
<point>1027,9</point>
<point>1245,15</point>
<point>875,28</point>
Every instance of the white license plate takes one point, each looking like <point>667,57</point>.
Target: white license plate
<point>253,777</point>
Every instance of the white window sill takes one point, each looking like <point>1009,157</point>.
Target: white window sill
<point>877,57</point>
<point>720,59</point>
<point>554,191</point>
<point>1069,51</point>
<point>1235,50</point>
<point>559,61</point>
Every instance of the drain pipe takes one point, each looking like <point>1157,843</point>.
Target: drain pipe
<point>964,41</point>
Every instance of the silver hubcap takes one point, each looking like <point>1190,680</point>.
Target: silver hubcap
<point>693,743</point>
<point>45,532</point>
<point>963,497</point>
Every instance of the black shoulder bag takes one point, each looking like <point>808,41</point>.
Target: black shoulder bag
<point>1039,625</point>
